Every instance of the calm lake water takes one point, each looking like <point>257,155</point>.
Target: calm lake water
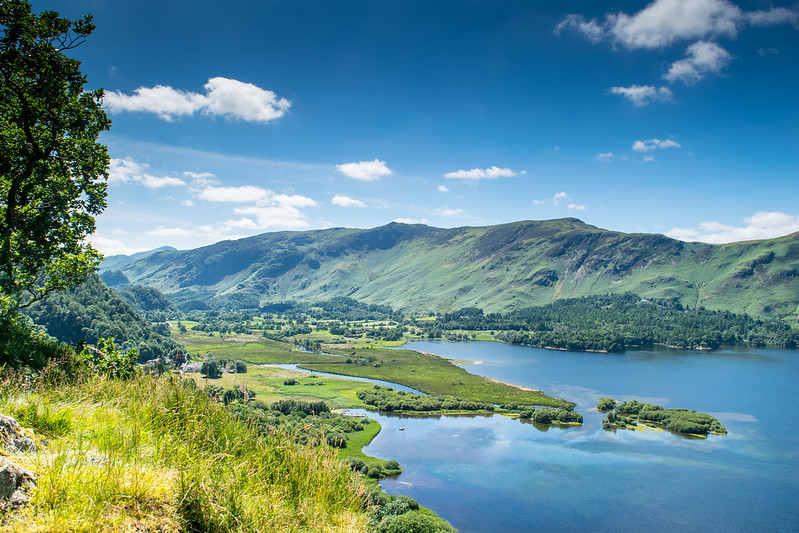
<point>487,474</point>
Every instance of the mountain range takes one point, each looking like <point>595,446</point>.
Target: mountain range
<point>414,267</point>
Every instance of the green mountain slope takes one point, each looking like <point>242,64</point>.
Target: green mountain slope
<point>497,268</point>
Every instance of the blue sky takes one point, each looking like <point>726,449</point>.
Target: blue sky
<point>236,118</point>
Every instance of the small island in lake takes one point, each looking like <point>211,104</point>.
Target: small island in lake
<point>390,400</point>
<point>627,415</point>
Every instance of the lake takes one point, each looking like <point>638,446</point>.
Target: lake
<point>486,474</point>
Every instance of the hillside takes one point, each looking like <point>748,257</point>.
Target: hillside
<point>496,268</point>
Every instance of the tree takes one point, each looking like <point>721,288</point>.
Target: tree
<point>53,172</point>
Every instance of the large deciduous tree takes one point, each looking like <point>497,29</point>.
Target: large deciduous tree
<point>53,172</point>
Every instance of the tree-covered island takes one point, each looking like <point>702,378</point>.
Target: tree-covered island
<point>627,415</point>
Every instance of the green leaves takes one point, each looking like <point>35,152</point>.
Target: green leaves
<point>53,172</point>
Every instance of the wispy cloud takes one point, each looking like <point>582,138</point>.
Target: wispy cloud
<point>224,97</point>
<point>345,201</point>
<point>577,207</point>
<point>365,170</point>
<point>641,95</point>
<point>475,174</point>
<point>761,225</point>
<point>449,212</point>
<point>443,188</point>
<point>653,144</point>
<point>664,22</point>
<point>702,58</point>
<point>604,156</point>
<point>129,171</point>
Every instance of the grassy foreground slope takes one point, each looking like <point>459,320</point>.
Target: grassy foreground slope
<point>497,268</point>
<point>157,455</point>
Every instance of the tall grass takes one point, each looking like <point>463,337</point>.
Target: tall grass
<point>153,454</point>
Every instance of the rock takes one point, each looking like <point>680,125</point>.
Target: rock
<point>14,438</point>
<point>15,484</point>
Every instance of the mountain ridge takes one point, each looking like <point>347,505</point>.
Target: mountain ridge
<point>414,267</point>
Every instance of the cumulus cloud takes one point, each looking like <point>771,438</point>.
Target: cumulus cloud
<point>578,207</point>
<point>664,22</point>
<point>270,210</point>
<point>127,170</point>
<point>411,220</point>
<point>274,216</point>
<point>365,170</point>
<point>702,58</point>
<point>345,201</point>
<point>225,97</point>
<point>761,225</point>
<point>653,144</point>
<point>443,188</point>
<point>482,173</point>
<point>641,95</point>
<point>559,196</point>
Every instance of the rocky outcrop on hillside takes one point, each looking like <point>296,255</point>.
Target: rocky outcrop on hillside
<point>16,482</point>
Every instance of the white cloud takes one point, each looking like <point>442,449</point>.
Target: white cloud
<point>578,207</point>
<point>224,97</point>
<point>604,156</point>
<point>558,197</point>
<point>124,170</point>
<point>365,170</point>
<point>164,101</point>
<point>652,144</point>
<point>243,194</point>
<point>772,17</point>
<point>443,188</point>
<point>447,212</point>
<point>664,22</point>
<point>702,58</point>
<point>648,159</point>
<point>482,173</point>
<point>245,223</point>
<point>761,225</point>
<point>109,247</point>
<point>127,170</point>
<point>345,201</point>
<point>153,182</point>
<point>411,220</point>
<point>187,203</point>
<point>201,179</point>
<point>641,95</point>
<point>161,231</point>
<point>293,200</point>
<point>278,216</point>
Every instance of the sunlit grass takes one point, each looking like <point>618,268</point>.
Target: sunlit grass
<point>156,455</point>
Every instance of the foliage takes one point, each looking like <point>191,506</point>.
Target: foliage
<point>606,404</point>
<point>104,358</point>
<point>614,322</point>
<point>676,420</point>
<point>52,171</point>
<point>90,311</point>
<point>388,399</point>
<point>212,368</point>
